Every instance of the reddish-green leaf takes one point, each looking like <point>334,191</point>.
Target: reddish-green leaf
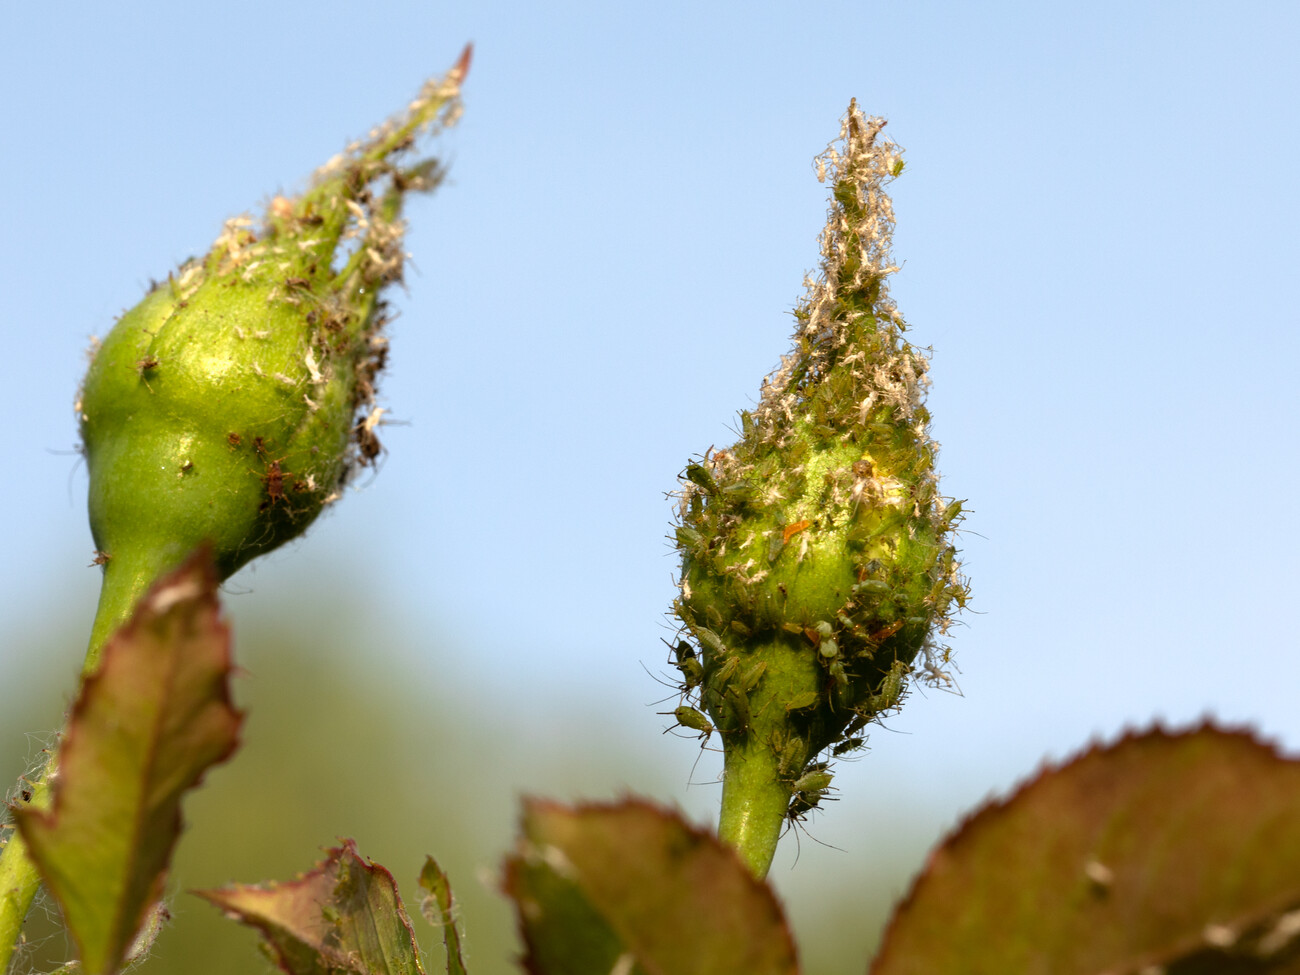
<point>439,909</point>
<point>1177,852</point>
<point>343,916</point>
<point>147,725</point>
<point>630,887</point>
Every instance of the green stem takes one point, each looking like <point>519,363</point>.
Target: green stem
<point>125,581</point>
<point>19,879</point>
<point>127,576</point>
<point>754,803</point>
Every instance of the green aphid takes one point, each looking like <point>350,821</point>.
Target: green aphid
<point>836,669</point>
<point>688,538</point>
<point>692,672</point>
<point>689,665</point>
<point>874,587</point>
<point>752,675</point>
<point>737,703</point>
<point>792,756</point>
<point>891,688</point>
<point>746,424</point>
<point>688,717</point>
<point>683,651</point>
<point>816,779</point>
<point>699,475</point>
<point>804,699</point>
<point>709,640</point>
<point>721,673</point>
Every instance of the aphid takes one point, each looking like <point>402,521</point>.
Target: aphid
<point>692,672</point>
<point>688,717</point>
<point>792,756</point>
<point>802,803</point>
<point>297,283</point>
<point>739,703</point>
<point>891,688</point>
<point>234,440</point>
<point>101,558</point>
<point>806,699</point>
<point>26,794</point>
<point>274,480</point>
<point>689,538</point>
<point>723,672</point>
<point>848,745</point>
<point>750,678</point>
<point>709,640</point>
<point>682,651</point>
<point>187,467</point>
<point>808,791</point>
<point>872,586</point>
<point>701,478</point>
<point>688,664</point>
<point>816,779</point>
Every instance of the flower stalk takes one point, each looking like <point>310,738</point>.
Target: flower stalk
<point>818,569</point>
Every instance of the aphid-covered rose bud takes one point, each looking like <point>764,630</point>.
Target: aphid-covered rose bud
<point>817,562</point>
<point>230,405</point>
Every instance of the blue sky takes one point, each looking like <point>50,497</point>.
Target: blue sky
<point>1097,232</point>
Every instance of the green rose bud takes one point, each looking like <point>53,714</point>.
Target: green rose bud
<point>817,562</point>
<point>231,404</point>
